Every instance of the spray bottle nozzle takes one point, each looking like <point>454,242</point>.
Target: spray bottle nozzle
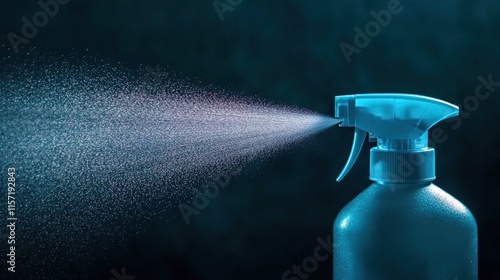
<point>399,122</point>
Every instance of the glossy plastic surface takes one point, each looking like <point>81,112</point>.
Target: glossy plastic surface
<point>398,121</point>
<point>393,115</point>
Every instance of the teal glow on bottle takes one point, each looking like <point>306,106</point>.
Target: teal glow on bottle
<point>402,226</point>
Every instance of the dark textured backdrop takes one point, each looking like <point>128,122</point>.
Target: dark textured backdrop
<point>287,51</point>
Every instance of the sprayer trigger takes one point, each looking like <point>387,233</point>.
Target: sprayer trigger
<point>357,144</point>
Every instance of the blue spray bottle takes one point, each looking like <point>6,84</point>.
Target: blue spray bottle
<point>402,226</point>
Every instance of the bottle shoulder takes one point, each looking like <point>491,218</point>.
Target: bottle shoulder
<point>408,204</point>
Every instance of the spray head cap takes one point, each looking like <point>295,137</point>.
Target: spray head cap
<point>399,122</point>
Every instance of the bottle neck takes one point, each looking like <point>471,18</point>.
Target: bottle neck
<point>402,166</point>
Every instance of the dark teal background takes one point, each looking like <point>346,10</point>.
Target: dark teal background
<point>286,51</point>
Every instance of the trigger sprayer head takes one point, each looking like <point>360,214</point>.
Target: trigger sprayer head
<point>400,123</point>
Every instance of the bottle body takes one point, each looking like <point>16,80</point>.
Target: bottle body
<point>405,231</point>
